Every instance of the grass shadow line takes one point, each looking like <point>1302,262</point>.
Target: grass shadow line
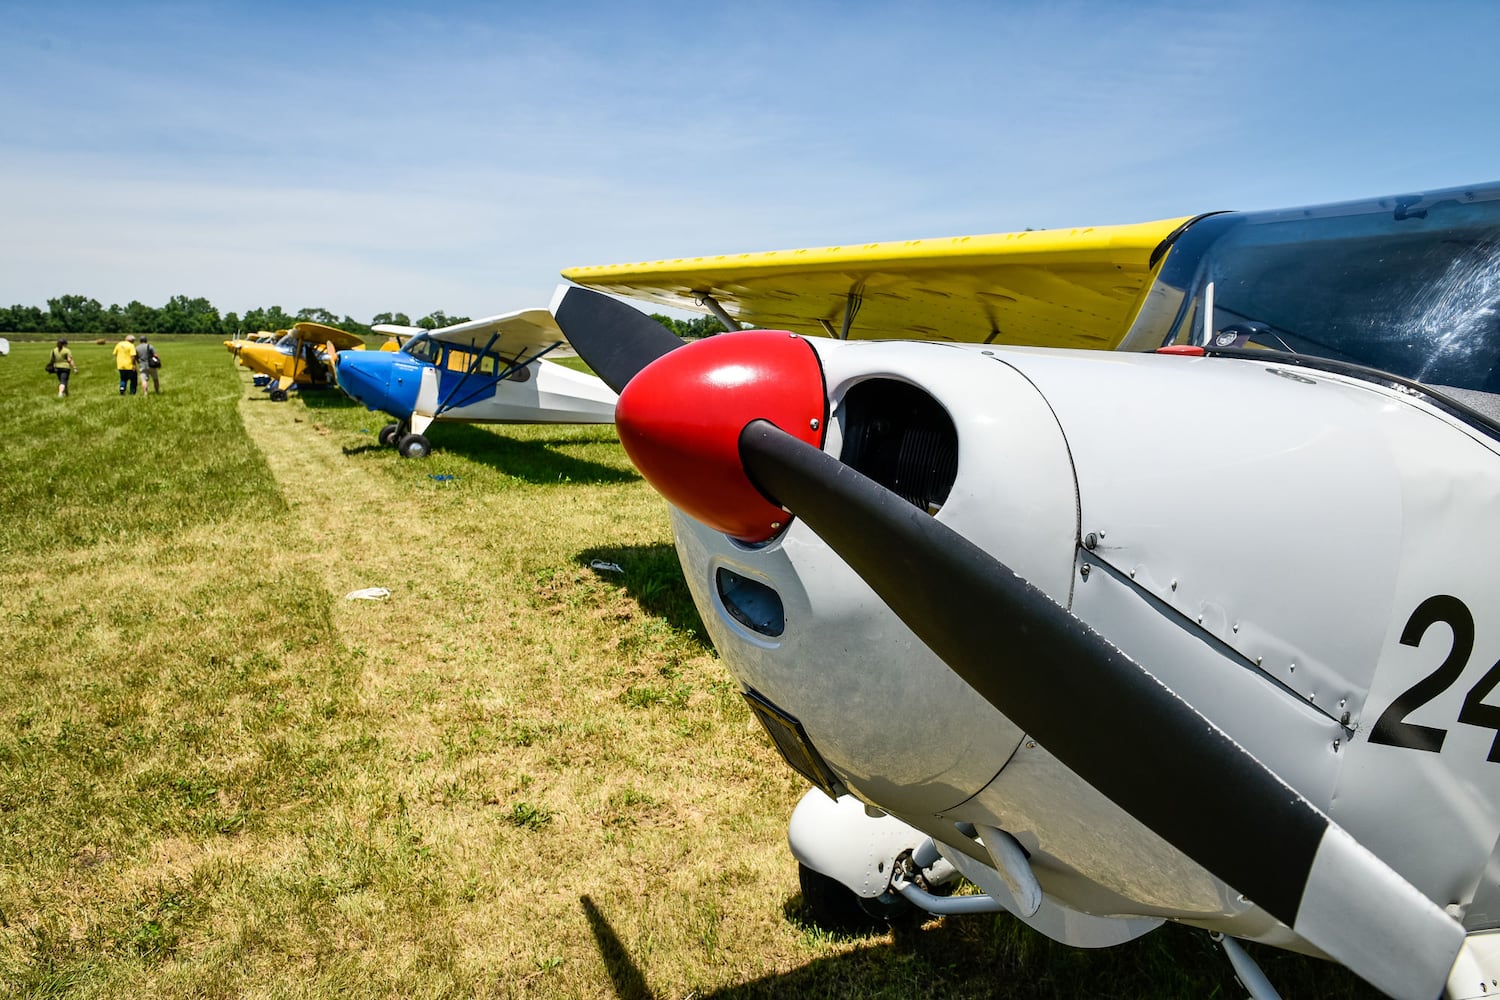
<point>652,577</point>
<point>325,398</point>
<point>533,461</point>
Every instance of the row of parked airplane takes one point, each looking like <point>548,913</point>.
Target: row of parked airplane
<point>1132,573</point>
<point>496,370</point>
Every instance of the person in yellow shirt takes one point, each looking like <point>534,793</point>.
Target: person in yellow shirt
<point>125,363</point>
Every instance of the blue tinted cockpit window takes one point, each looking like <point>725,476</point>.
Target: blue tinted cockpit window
<point>1410,286</point>
<point>424,349</point>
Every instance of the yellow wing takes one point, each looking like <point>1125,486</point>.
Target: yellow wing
<point>1055,288</point>
<point>317,333</point>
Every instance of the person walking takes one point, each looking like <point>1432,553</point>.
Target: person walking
<point>146,363</point>
<point>125,359</point>
<point>62,365</point>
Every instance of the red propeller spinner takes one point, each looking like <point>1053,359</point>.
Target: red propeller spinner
<point>680,420</point>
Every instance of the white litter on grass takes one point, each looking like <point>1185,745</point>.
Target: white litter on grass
<point>368,594</point>
<point>605,567</point>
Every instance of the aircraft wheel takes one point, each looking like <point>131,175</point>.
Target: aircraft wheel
<point>414,446</point>
<point>388,434</point>
<point>835,907</point>
<point>278,395</point>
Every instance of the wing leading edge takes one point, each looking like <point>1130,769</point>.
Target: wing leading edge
<point>319,334</point>
<point>525,333</point>
<point>1055,288</point>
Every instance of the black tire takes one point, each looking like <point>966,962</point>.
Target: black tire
<point>414,446</point>
<point>278,395</point>
<point>388,435</point>
<point>831,905</point>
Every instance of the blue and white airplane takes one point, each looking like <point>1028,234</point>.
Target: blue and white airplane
<point>486,371</point>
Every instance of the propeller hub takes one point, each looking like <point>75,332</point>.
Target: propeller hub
<point>680,421</point>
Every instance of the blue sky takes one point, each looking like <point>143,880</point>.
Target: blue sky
<point>388,157</point>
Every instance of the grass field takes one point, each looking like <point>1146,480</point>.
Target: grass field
<point>518,776</point>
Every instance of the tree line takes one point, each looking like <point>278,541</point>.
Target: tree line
<point>79,314</point>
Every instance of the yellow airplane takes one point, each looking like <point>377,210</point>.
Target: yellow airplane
<point>301,356</point>
<point>1056,288</point>
<point>258,337</point>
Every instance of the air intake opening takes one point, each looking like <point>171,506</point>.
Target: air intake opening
<point>751,603</point>
<point>903,439</point>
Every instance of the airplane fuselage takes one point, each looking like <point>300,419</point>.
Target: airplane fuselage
<point>396,383</point>
<point>1259,535</point>
<point>1200,634</point>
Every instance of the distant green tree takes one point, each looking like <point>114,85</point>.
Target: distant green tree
<point>74,314</point>
<point>437,318</point>
<point>703,326</point>
<point>79,314</point>
<point>690,329</point>
<point>184,315</point>
<point>140,318</point>
<point>267,319</point>
<point>22,319</point>
<point>112,320</point>
<point>317,314</point>
<point>353,326</point>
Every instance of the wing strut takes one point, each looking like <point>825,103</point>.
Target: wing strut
<point>856,299</point>
<point>450,401</point>
<point>447,402</point>
<point>712,305</point>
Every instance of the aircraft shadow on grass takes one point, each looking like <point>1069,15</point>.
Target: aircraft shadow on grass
<point>535,461</point>
<point>312,396</point>
<point>966,957</point>
<point>328,398</point>
<point>652,576</point>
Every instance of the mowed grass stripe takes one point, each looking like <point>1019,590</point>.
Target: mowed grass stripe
<point>98,465</point>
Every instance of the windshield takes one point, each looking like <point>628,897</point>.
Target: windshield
<point>423,349</point>
<point>1407,285</point>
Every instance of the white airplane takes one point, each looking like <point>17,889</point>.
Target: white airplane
<point>485,371</point>
<point>1200,630</point>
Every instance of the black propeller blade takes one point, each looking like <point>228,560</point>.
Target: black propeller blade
<point>614,339</point>
<point>1094,708</point>
<point>1111,721</point>
<point>1089,704</point>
